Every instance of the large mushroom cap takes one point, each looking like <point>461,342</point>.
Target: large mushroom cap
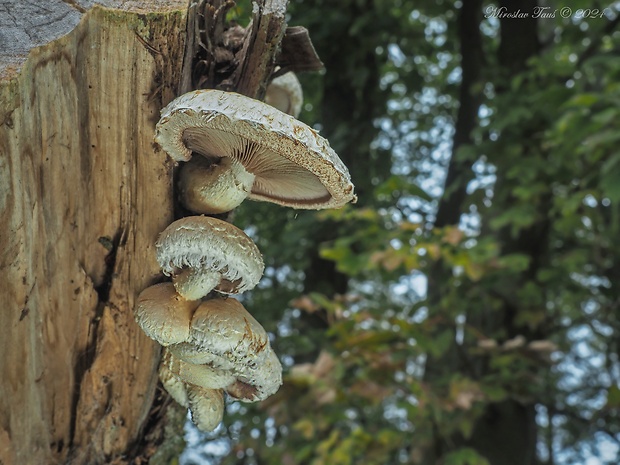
<point>224,326</point>
<point>212,248</point>
<point>292,164</point>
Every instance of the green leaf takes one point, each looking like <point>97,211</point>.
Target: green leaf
<point>613,397</point>
<point>465,456</point>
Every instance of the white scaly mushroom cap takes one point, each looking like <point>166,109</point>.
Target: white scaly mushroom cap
<point>225,337</point>
<point>163,314</point>
<point>203,253</point>
<point>291,163</point>
<point>285,94</point>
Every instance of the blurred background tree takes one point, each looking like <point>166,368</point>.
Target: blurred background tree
<point>465,310</point>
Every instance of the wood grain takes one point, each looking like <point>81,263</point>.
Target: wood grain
<point>84,193</point>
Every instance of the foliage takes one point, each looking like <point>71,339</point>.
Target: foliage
<point>516,304</point>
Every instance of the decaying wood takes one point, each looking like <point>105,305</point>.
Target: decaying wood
<point>260,48</point>
<point>83,194</point>
<point>228,57</point>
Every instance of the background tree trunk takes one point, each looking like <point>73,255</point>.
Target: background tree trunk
<point>83,194</point>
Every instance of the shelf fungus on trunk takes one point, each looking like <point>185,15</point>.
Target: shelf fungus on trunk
<point>204,254</point>
<point>225,340</point>
<point>251,150</point>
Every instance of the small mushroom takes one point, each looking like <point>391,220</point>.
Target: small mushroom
<point>171,382</point>
<point>226,338</point>
<point>196,373</point>
<point>285,94</point>
<point>203,254</point>
<point>163,314</point>
<point>206,405</point>
<point>253,150</point>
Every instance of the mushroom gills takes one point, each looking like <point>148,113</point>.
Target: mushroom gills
<point>276,178</point>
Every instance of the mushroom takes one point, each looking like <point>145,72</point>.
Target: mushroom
<point>196,373</point>
<point>253,150</point>
<point>203,254</point>
<point>226,338</point>
<point>206,405</point>
<point>285,93</point>
<point>171,382</point>
<point>163,314</point>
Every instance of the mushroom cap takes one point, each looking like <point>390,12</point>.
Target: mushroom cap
<point>227,338</point>
<point>262,380</point>
<point>212,245</point>
<point>206,407</point>
<point>285,94</point>
<point>224,326</point>
<point>163,314</point>
<point>293,165</point>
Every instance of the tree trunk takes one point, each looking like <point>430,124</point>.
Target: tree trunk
<point>510,418</point>
<point>83,195</point>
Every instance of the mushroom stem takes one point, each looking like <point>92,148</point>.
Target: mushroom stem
<point>200,375</point>
<point>194,284</point>
<point>214,187</point>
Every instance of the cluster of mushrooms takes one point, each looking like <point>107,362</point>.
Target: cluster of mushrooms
<point>245,149</point>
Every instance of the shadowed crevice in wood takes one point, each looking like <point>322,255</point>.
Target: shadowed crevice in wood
<point>86,357</point>
<point>111,244</point>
